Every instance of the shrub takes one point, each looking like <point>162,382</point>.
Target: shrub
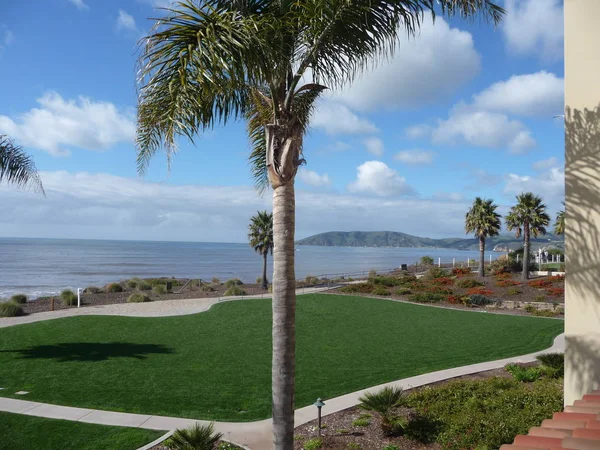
<point>92,290</point>
<point>461,271</point>
<point>114,287</point>
<point>258,280</point>
<point>372,274</point>
<point>390,447</point>
<point>364,420</point>
<point>524,374</point>
<point>439,290</point>
<point>454,300</point>
<point>503,276</point>
<point>313,444</point>
<point>10,309</point>
<point>207,288</point>
<point>197,437</point>
<point>557,278</point>
<point>545,313</point>
<point>443,281</point>
<point>513,291</point>
<point>159,289</point>
<point>479,291</point>
<point>363,288</point>
<point>469,283</point>
<point>382,402</point>
<point>556,291</point>
<point>553,363</point>
<point>427,297</point>
<point>68,297</point>
<point>481,414</point>
<point>500,266</point>
<point>436,272</point>
<point>387,281</point>
<point>479,300</point>
<point>234,290</point>
<point>406,278</point>
<point>426,260</point>
<point>561,268</point>
<point>507,283</point>
<point>380,290</point>
<point>402,291</point>
<point>132,284</point>
<point>144,285</point>
<point>540,298</point>
<point>215,280</point>
<point>234,282</point>
<point>138,297</point>
<point>539,283</point>
<point>19,299</point>
<point>311,280</point>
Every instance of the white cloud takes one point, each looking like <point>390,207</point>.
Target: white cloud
<point>536,94</point>
<point>550,185</point>
<point>415,156</point>
<point>103,206</point>
<point>80,4</point>
<point>430,66</point>
<point>6,37</point>
<point>375,177</point>
<point>483,129</point>
<point>418,131</point>
<point>449,196</point>
<point>338,146</point>
<point>125,21</point>
<point>534,27</point>
<point>545,163</point>
<point>158,3</point>
<point>334,118</point>
<point>60,123</point>
<point>374,146</point>
<point>313,178</point>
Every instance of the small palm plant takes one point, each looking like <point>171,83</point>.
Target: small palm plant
<point>197,437</point>
<point>483,220</point>
<point>383,402</point>
<point>260,236</point>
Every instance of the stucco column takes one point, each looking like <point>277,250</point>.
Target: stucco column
<point>582,179</point>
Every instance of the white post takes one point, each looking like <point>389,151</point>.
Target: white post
<point>517,257</point>
<point>439,262</point>
<point>468,262</point>
<point>79,297</point>
<point>490,258</point>
<point>453,262</point>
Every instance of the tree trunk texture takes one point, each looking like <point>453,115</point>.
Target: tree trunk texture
<point>265,283</point>
<point>525,274</point>
<point>284,316</point>
<point>481,256</point>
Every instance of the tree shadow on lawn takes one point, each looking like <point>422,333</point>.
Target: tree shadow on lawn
<point>88,352</point>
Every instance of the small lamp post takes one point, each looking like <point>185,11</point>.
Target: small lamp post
<point>319,404</point>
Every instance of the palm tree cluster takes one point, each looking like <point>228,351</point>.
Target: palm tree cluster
<point>528,217</point>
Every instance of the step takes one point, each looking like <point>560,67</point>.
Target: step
<point>537,441</point>
<point>592,397</point>
<point>517,447</point>
<point>581,443</point>
<point>587,433</point>
<point>550,432</point>
<point>574,416</point>
<point>586,403</point>
<point>593,424</point>
<point>564,424</point>
<point>583,409</point>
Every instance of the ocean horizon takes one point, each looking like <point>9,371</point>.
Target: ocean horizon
<point>44,266</point>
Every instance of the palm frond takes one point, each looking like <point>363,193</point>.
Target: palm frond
<point>482,219</point>
<point>18,168</point>
<point>260,234</point>
<point>383,400</point>
<point>197,437</point>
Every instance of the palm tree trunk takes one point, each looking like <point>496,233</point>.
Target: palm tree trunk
<point>264,280</point>
<point>284,320</point>
<point>481,256</point>
<point>525,274</point>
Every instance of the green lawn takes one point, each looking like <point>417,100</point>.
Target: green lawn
<point>19,432</point>
<point>216,365</point>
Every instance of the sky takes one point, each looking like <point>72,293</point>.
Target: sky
<point>462,110</point>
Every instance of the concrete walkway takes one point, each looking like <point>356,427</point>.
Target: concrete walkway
<point>254,435</point>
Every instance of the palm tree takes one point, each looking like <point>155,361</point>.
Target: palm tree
<point>16,167</point>
<point>197,437</point>
<point>527,217</point>
<point>267,61</point>
<point>483,220</point>
<point>261,238</point>
<point>383,402</point>
<point>559,224</point>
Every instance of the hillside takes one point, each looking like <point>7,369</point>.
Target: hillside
<point>397,239</point>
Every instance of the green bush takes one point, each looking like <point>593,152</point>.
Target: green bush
<point>483,414</point>
<point>138,297</point>
<point>362,288</point>
<point>513,291</point>
<point>427,297</point>
<point>364,420</point>
<point>436,272</point>
<point>380,290</point>
<point>523,373</point>
<point>539,298</point>
<point>553,364</point>
<point>197,437</point>
<point>426,260</point>
<point>159,289</point>
<point>372,274</point>
<point>133,283</point>
<point>386,281</point>
<point>539,312</point>
<point>68,297</point>
<point>383,402</point>
<point>19,299</point>
<point>92,290</point>
<point>403,291</point>
<point>313,444</point>
<point>215,280</point>
<point>114,287</point>
<point>10,309</point>
<point>233,282</point>
<point>468,283</point>
<point>234,290</point>
<point>479,300</point>
<point>311,280</point>
<point>143,285</point>
<point>207,288</point>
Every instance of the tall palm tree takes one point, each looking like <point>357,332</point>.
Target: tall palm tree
<point>483,220</point>
<point>559,224</point>
<point>16,167</point>
<point>527,217</point>
<point>267,61</point>
<point>261,238</point>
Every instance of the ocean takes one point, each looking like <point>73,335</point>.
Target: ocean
<point>38,267</point>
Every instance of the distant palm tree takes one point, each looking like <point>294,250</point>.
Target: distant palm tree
<point>16,167</point>
<point>483,220</point>
<point>261,238</point>
<point>559,224</point>
<point>527,217</point>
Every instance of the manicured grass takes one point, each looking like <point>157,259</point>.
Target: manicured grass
<point>19,432</point>
<point>217,364</point>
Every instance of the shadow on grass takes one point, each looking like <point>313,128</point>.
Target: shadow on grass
<point>84,352</point>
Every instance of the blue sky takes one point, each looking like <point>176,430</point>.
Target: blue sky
<point>462,110</point>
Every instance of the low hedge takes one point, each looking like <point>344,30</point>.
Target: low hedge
<point>138,297</point>
<point>10,309</point>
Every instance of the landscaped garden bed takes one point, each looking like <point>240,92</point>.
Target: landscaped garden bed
<point>461,288</point>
